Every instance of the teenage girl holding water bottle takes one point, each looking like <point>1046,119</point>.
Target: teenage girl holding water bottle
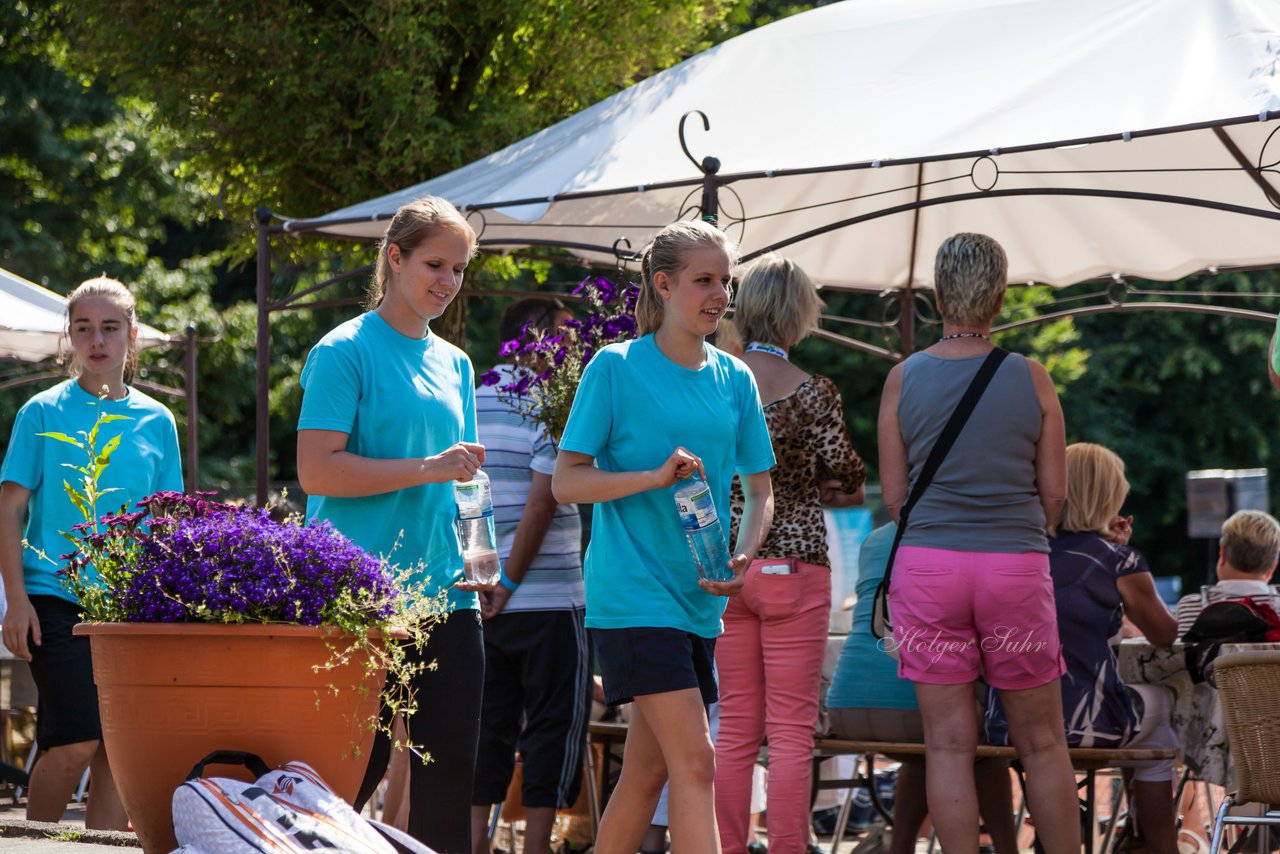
<point>649,414</point>
<point>388,425</point>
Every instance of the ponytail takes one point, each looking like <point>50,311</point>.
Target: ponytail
<point>666,255</point>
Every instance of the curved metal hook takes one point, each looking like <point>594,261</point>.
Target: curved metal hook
<point>706,126</point>
<point>484,222</point>
<point>623,257</point>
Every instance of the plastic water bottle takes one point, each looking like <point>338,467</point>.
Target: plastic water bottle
<point>476,532</point>
<point>703,530</point>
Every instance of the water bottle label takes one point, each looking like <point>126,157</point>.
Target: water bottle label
<point>697,510</point>
<point>471,499</point>
<point>473,511</point>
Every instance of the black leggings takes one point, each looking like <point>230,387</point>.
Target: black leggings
<point>447,726</point>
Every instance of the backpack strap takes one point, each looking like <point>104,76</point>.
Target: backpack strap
<point>937,454</point>
<point>252,761</point>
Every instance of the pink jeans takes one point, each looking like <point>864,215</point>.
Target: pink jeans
<point>770,663</point>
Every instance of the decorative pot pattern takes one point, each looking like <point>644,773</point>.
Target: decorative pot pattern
<point>170,693</point>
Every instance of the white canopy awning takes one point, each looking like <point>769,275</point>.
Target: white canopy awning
<point>860,134</point>
<point>33,318</point>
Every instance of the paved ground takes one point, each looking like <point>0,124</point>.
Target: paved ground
<point>19,835</point>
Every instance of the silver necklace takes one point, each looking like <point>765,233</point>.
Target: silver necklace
<point>963,335</point>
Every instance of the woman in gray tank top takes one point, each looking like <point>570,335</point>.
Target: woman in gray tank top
<point>971,591</point>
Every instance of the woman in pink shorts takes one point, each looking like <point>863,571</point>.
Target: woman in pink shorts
<point>971,592</point>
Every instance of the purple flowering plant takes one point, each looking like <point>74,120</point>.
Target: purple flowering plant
<point>552,361</point>
<point>187,558</point>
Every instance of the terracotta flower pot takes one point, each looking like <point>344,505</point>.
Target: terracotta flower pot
<point>170,693</point>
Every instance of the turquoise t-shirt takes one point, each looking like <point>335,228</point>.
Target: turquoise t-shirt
<point>147,460</point>
<point>397,398</point>
<point>866,677</point>
<point>633,408</point>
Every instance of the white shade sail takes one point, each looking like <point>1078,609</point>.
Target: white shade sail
<point>859,135</point>
<point>32,320</point>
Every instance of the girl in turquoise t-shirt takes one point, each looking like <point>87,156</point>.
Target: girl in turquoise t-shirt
<point>102,328</point>
<point>648,414</point>
<point>387,425</point>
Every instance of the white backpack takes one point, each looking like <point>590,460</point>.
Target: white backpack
<point>288,809</point>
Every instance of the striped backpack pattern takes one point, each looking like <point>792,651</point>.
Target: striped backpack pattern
<point>287,809</point>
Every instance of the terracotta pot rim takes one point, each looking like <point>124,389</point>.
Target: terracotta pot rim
<point>220,630</point>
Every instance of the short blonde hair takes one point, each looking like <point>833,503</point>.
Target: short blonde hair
<point>414,223</point>
<point>666,255</point>
<point>1096,489</point>
<point>1251,542</point>
<point>970,274</point>
<point>777,303</point>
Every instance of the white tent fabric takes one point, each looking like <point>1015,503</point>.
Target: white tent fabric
<point>1187,89</point>
<point>32,319</point>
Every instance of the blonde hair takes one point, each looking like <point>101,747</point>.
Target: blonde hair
<point>970,274</point>
<point>414,223</point>
<point>777,303</point>
<point>1251,542</point>
<point>1096,489</point>
<point>728,338</point>
<point>114,290</point>
<point>666,255</point>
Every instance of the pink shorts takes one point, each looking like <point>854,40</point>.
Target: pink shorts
<point>961,615</point>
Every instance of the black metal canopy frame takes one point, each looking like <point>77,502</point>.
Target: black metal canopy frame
<point>905,308</point>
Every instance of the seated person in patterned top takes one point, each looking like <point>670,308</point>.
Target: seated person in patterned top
<point>1247,556</point>
<point>1097,580</point>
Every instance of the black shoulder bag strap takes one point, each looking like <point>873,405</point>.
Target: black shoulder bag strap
<point>937,454</point>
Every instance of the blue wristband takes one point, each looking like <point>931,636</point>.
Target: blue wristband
<point>507,582</point>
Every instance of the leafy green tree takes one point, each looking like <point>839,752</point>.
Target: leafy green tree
<point>306,105</point>
<point>1175,392</point>
<point>79,168</point>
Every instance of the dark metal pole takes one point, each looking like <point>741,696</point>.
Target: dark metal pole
<point>263,431</point>
<point>193,414</point>
<point>907,317</point>
<point>710,190</point>
<point>907,320</point>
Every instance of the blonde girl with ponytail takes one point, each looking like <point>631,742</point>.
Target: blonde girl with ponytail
<point>388,424</point>
<point>649,414</point>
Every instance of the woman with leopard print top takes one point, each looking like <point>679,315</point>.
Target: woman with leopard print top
<point>775,630</point>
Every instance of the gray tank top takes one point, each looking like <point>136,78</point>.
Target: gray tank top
<point>983,498</point>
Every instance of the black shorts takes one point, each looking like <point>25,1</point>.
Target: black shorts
<point>67,708</point>
<point>537,668</point>
<point>638,661</point>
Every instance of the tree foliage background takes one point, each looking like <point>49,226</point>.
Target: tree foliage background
<point>137,136</point>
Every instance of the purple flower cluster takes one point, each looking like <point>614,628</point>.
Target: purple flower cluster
<point>187,559</point>
<point>244,566</point>
<point>552,362</point>
<point>611,319</point>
